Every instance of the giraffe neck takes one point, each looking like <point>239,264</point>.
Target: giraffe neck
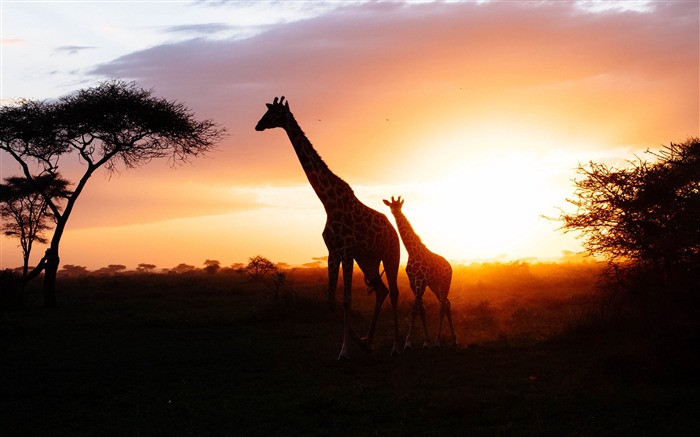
<point>409,237</point>
<point>329,188</point>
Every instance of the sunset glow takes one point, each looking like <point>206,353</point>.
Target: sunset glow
<point>476,113</point>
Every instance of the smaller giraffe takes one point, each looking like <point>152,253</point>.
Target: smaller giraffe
<point>424,269</point>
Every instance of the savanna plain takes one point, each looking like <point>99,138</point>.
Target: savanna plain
<point>218,354</point>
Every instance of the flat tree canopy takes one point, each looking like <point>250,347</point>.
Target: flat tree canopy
<point>113,125</point>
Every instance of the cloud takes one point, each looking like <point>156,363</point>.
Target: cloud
<point>597,6</point>
<point>357,46</point>
<point>12,42</point>
<point>128,200</point>
<point>199,29</point>
<point>72,50</point>
<point>377,85</point>
<point>387,59</point>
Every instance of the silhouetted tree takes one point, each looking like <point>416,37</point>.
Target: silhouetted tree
<point>74,270</point>
<point>25,213</point>
<point>261,269</point>
<point>145,268</point>
<point>113,125</point>
<point>182,268</point>
<point>212,266</point>
<point>317,263</point>
<point>111,269</point>
<point>644,218</point>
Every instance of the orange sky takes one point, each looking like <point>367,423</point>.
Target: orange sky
<point>476,113</point>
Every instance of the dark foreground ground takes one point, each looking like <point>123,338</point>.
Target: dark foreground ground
<point>215,355</point>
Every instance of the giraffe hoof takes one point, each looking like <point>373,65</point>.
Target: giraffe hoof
<point>365,344</point>
<point>343,357</point>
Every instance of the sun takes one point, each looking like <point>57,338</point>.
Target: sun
<point>488,208</point>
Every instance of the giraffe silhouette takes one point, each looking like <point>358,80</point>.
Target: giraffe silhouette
<point>424,269</point>
<point>353,232</point>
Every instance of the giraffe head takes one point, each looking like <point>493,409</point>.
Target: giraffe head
<point>395,205</point>
<point>276,115</point>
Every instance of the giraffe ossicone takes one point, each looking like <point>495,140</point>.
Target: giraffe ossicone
<point>424,269</point>
<point>353,232</point>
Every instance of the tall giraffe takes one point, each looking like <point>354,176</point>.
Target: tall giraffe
<point>424,269</point>
<point>353,232</point>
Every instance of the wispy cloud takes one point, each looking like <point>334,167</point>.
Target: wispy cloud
<point>520,62</point>
<point>199,29</point>
<point>596,6</point>
<point>12,42</point>
<point>215,30</point>
<point>72,50</point>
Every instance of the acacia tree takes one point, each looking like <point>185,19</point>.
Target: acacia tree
<point>644,217</point>
<point>145,267</point>
<point>113,125</point>
<point>25,213</point>
<point>261,269</point>
<point>212,266</point>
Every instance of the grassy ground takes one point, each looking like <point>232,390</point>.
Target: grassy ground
<point>215,355</point>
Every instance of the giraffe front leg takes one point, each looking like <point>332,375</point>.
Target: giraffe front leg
<point>333,269</point>
<point>391,273</point>
<point>407,344</point>
<point>344,355</point>
<point>417,310</point>
<point>347,305</point>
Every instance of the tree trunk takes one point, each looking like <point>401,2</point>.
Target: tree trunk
<point>50,271</point>
<point>25,272</point>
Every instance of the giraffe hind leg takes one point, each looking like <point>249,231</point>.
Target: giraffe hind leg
<point>381,292</point>
<point>439,331</point>
<point>370,267</point>
<point>448,312</point>
<point>391,266</point>
<point>373,279</point>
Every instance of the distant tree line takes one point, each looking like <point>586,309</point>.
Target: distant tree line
<point>258,269</point>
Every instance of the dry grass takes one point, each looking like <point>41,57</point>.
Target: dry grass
<point>216,355</point>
